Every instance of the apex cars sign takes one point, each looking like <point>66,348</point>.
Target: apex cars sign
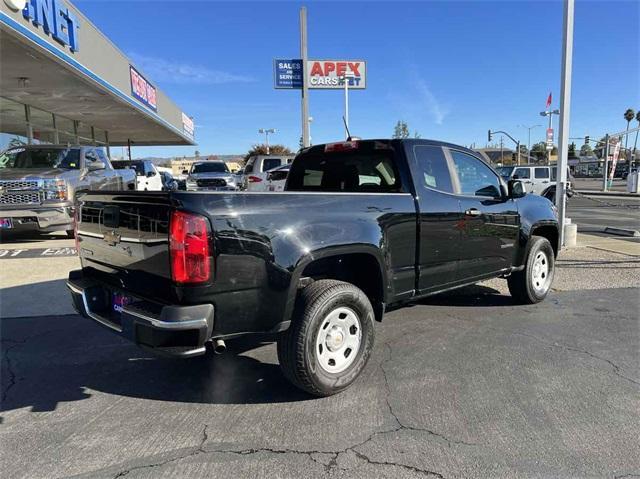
<point>55,18</point>
<point>329,74</point>
<point>321,74</point>
<point>141,89</point>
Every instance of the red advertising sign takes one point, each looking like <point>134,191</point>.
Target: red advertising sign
<point>329,74</point>
<point>141,89</point>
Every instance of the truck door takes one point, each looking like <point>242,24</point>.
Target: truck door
<point>489,223</point>
<point>438,219</point>
<point>96,174</point>
<point>524,175</point>
<point>540,179</point>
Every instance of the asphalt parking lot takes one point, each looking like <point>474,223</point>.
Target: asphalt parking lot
<point>464,385</point>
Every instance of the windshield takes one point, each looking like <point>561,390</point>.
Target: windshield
<point>505,171</point>
<point>68,159</point>
<point>211,167</point>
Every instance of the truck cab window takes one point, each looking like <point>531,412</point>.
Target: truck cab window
<point>474,176</point>
<point>433,168</point>
<point>346,171</point>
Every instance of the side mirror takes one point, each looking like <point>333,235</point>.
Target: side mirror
<point>516,189</point>
<point>95,166</point>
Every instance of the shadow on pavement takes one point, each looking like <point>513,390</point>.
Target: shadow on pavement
<point>475,295</point>
<point>48,360</point>
<point>13,237</point>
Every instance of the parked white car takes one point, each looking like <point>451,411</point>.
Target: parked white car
<point>147,175</point>
<point>255,171</point>
<point>535,178</point>
<point>277,178</point>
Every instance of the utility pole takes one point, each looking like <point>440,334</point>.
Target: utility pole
<point>565,110</point>
<point>346,79</point>
<point>305,86</point>
<point>605,172</point>
<point>501,152</point>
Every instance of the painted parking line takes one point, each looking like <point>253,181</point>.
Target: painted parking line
<point>37,252</point>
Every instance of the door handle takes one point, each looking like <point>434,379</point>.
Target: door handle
<point>473,212</point>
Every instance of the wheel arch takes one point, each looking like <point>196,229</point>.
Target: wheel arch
<point>546,229</point>
<point>360,265</point>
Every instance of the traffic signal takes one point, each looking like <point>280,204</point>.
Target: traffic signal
<point>489,136</point>
<point>586,140</point>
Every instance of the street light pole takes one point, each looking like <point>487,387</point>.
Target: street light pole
<point>529,128</point>
<point>266,132</point>
<point>305,86</point>
<point>565,110</point>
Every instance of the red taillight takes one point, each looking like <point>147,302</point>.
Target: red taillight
<point>254,179</point>
<point>341,146</point>
<point>189,248</point>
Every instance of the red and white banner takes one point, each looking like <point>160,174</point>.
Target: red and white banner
<point>616,154</point>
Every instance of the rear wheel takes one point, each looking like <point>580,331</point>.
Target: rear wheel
<point>532,284</point>
<point>330,338</point>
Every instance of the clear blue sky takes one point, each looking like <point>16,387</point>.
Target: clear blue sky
<point>450,69</point>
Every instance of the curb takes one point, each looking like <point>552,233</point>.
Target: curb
<point>622,232</point>
<point>607,193</point>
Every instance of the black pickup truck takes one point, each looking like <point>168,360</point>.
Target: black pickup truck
<point>362,227</point>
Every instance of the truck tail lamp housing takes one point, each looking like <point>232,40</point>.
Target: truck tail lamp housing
<point>341,146</point>
<point>189,248</point>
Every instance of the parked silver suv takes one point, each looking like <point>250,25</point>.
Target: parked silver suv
<point>38,184</point>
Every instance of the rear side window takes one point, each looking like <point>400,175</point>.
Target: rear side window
<point>432,168</point>
<point>522,174</point>
<point>357,171</point>
<point>541,173</point>
<point>248,168</point>
<point>554,173</point>
<point>270,163</point>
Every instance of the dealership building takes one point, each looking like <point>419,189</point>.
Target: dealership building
<point>63,81</point>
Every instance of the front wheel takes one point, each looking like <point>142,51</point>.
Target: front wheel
<point>330,338</point>
<point>532,284</point>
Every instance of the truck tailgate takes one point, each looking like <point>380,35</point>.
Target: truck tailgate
<point>123,240</point>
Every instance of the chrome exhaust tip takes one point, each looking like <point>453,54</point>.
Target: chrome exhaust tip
<point>219,346</point>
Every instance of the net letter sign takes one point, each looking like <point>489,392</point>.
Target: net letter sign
<point>329,74</point>
<point>142,90</point>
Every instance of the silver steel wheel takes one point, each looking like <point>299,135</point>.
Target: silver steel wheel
<point>540,273</point>
<point>338,340</point>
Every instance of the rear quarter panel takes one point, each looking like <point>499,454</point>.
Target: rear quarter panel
<point>263,242</point>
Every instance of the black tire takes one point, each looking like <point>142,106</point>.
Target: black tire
<point>71,234</point>
<point>297,345</point>
<point>522,284</point>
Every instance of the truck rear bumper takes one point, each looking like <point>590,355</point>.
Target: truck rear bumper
<point>179,331</point>
<point>41,218</point>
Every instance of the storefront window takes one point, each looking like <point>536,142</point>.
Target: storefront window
<point>42,126</point>
<point>13,124</point>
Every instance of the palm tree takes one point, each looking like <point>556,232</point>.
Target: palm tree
<point>628,115</point>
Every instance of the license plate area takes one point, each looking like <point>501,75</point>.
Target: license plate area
<point>6,223</point>
<point>118,301</point>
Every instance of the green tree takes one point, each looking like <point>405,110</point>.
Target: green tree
<point>572,151</point>
<point>197,154</point>
<point>539,150</point>
<point>585,150</point>
<point>401,130</point>
<point>273,150</point>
